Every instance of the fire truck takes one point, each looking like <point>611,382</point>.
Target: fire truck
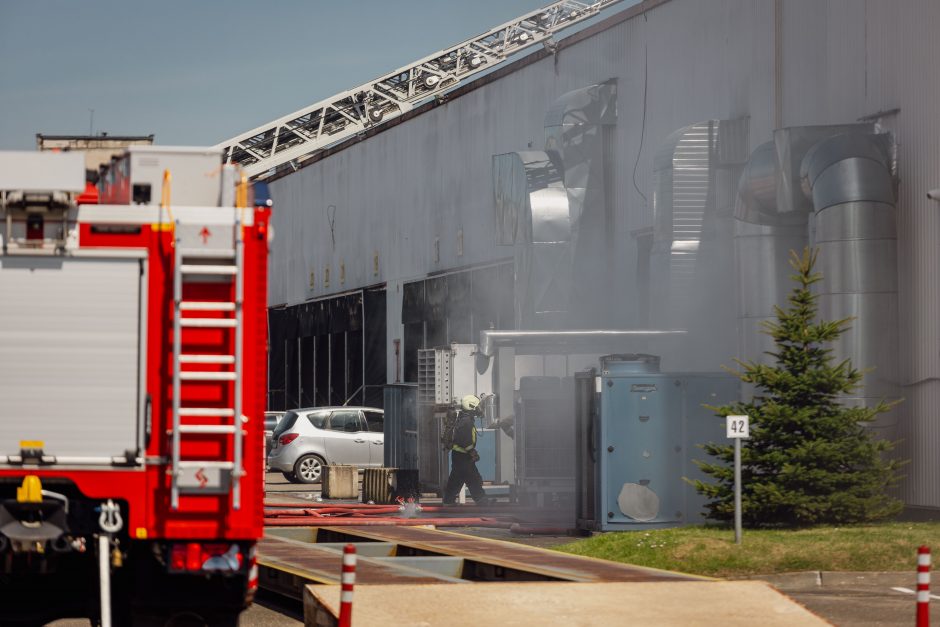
<point>132,382</point>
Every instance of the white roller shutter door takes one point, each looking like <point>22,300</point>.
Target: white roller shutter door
<point>70,355</point>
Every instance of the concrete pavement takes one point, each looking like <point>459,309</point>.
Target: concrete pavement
<point>725,603</point>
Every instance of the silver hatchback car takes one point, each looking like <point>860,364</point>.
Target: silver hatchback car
<point>307,439</point>
<point>271,418</point>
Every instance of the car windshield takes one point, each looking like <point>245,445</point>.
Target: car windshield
<point>286,423</point>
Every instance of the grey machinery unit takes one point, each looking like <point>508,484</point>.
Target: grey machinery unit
<point>544,430</point>
<point>401,426</point>
<point>434,396</point>
<point>638,434</point>
<point>401,437</point>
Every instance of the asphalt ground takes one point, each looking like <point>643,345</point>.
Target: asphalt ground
<point>275,485</point>
<point>268,610</point>
<point>860,599</point>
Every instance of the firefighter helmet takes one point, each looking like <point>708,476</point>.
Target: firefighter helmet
<point>469,402</point>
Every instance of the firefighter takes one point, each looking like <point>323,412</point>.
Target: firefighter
<point>464,455</point>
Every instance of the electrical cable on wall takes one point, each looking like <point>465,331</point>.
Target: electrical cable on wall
<point>639,151</point>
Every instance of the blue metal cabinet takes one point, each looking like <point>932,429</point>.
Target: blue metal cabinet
<point>651,426</point>
<point>639,436</point>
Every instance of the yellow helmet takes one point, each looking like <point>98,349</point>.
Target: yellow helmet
<point>469,402</point>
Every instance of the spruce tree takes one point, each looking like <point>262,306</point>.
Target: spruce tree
<point>809,459</point>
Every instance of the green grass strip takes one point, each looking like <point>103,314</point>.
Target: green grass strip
<point>710,550</point>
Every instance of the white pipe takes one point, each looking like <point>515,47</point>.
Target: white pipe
<point>547,341</point>
<point>104,578</point>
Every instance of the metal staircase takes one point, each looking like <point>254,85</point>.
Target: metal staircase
<point>220,265</point>
<point>283,142</point>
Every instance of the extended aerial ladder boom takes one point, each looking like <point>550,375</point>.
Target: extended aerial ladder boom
<point>289,138</point>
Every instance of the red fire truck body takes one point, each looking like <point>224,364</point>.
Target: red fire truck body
<point>131,417</point>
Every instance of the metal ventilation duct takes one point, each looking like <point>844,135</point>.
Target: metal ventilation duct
<point>572,129</point>
<point>682,167</point>
<point>792,144</point>
<point>757,189</point>
<point>769,192</point>
<point>691,258</point>
<point>762,242</point>
<point>772,218</point>
<point>832,185</point>
<point>551,205</point>
<point>577,128</point>
<point>850,181</point>
<point>533,213</point>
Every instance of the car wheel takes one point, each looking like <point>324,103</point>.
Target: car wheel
<point>290,477</point>
<point>309,469</point>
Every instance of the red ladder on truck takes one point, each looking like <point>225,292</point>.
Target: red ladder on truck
<point>221,262</point>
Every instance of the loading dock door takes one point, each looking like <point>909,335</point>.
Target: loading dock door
<point>70,367</point>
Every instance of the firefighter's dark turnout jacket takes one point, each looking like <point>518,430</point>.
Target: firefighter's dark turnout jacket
<point>463,467</point>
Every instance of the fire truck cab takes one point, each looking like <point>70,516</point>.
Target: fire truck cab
<point>132,382</point>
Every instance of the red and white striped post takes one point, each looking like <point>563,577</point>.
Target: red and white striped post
<point>346,589</point>
<point>923,586</point>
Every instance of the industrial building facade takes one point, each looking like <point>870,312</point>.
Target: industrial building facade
<point>403,238</point>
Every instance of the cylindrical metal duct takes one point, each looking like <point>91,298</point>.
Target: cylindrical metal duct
<point>757,189</point>
<point>762,244</point>
<point>850,182</point>
<point>762,255</point>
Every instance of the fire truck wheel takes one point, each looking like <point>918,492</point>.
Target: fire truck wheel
<point>308,469</point>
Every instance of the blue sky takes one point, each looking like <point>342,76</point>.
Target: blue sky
<point>198,72</point>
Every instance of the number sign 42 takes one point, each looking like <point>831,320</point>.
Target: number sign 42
<point>737,427</point>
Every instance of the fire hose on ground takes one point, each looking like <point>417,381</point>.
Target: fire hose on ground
<point>298,505</point>
<point>377,521</point>
<point>368,514</point>
<point>330,511</point>
<point>368,506</point>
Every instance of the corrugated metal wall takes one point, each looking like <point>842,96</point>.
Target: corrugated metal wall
<point>408,195</point>
<point>845,60</point>
<point>903,53</point>
<point>418,198</point>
